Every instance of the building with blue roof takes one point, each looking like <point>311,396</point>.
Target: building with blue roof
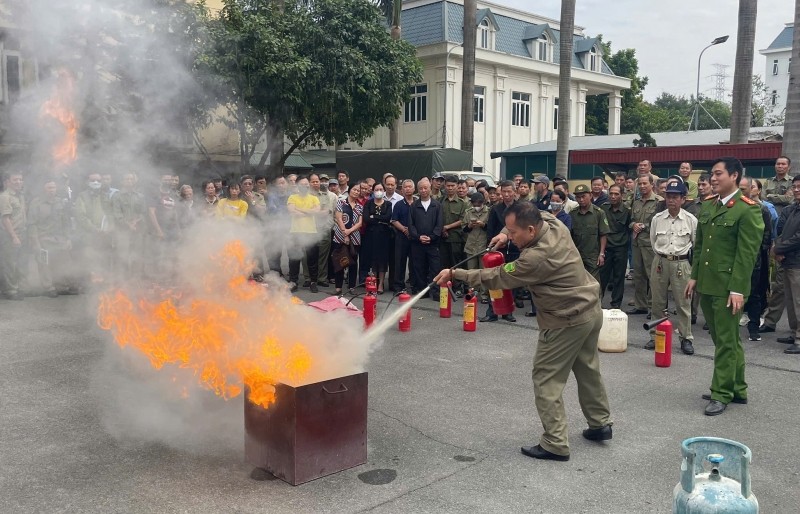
<point>776,73</point>
<point>516,79</point>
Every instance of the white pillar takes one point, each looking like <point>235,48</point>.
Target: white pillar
<point>614,112</point>
<point>544,110</point>
<point>445,79</point>
<point>501,122</point>
<point>580,118</point>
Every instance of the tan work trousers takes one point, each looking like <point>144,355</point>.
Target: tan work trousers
<point>558,352</point>
<point>674,275</point>
<point>642,263</point>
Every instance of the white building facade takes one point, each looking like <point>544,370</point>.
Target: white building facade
<point>516,80</point>
<point>776,73</point>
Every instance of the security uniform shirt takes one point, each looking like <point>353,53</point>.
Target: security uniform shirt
<point>452,211</point>
<point>587,228</point>
<point>618,221</point>
<point>672,236</point>
<point>779,191</point>
<point>643,211</point>
<point>550,267</point>
<point>13,205</point>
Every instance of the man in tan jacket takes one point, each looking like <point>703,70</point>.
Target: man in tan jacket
<point>568,305</point>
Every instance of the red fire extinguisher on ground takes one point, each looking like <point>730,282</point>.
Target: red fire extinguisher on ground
<point>370,300</point>
<point>445,301</point>
<point>663,354</point>
<point>405,322</point>
<point>470,309</point>
<point>502,299</point>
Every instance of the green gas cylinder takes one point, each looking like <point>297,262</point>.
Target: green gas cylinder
<point>715,478</point>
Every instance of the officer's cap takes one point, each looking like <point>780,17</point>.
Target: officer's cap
<point>581,188</point>
<point>438,175</point>
<point>676,188</point>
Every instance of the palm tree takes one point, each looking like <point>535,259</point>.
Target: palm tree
<point>564,78</point>
<point>393,10</point>
<point>743,73</point>
<point>791,125</point>
<point>468,77</point>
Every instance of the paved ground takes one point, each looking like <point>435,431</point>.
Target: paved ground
<point>448,411</point>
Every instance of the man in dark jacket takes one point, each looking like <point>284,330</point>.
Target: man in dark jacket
<point>787,253</point>
<point>425,232</point>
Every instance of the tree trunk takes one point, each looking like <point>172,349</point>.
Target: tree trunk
<point>468,77</point>
<point>743,73</point>
<point>397,33</point>
<point>564,83</point>
<point>791,124</point>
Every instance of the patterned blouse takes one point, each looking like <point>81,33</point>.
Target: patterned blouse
<point>350,216</point>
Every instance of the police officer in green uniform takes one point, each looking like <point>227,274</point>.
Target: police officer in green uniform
<point>13,225</point>
<point>729,234</point>
<point>569,316</point>
<point>589,231</point>
<point>613,271</point>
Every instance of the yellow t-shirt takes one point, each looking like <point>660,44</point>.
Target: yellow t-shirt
<point>236,209</point>
<point>303,224</point>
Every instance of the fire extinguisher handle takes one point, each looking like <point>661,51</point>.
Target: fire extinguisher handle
<point>655,323</point>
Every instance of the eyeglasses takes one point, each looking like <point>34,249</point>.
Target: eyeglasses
<point>796,188</point>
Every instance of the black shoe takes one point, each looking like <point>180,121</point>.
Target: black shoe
<point>307,283</point>
<point>765,328</point>
<point>651,345</point>
<point>649,316</point>
<point>786,340</point>
<point>598,434</point>
<point>488,319</point>
<point>705,326</point>
<point>313,287</point>
<point>613,306</point>
<point>324,284</point>
<point>519,304</point>
<point>537,452</point>
<point>510,318</point>
<point>694,320</point>
<point>530,314</point>
<point>742,401</point>
<point>484,301</point>
<point>687,347</point>
<point>793,349</point>
<point>294,288</point>
<point>754,336</point>
<point>715,408</point>
<point>636,311</point>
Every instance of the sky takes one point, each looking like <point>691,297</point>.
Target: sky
<point>668,35</point>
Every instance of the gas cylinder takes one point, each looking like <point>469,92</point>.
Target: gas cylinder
<point>470,308</point>
<point>715,477</point>
<point>502,299</point>
<point>445,301</point>
<point>370,300</point>
<point>614,333</point>
<point>405,322</point>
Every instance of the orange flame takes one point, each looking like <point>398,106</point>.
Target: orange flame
<point>224,333</point>
<point>58,108</point>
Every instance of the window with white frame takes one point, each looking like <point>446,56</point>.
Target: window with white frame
<point>593,60</point>
<point>774,98</point>
<point>11,87</point>
<point>543,49</point>
<point>417,107</point>
<point>520,109</point>
<point>555,114</point>
<point>789,65</point>
<point>484,34</point>
<point>775,67</point>
<point>480,103</point>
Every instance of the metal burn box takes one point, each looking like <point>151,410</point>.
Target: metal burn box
<point>310,431</point>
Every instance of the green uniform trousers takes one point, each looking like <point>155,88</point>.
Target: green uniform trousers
<point>728,380</point>
<point>642,262</point>
<point>613,273</point>
<point>776,301</point>
<point>324,254</point>
<point>674,276</point>
<point>559,351</point>
<point>792,277</point>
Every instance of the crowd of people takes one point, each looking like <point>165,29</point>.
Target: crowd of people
<point>641,228</point>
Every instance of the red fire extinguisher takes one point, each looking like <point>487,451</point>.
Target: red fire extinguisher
<point>470,308</point>
<point>445,301</point>
<point>663,340</point>
<point>370,300</point>
<point>405,322</point>
<point>502,299</point>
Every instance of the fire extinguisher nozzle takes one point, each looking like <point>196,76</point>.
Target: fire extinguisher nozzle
<point>654,323</point>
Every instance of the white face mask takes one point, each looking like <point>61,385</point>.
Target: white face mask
<point>477,208</point>
<point>378,195</point>
<point>94,185</point>
<point>471,190</point>
<point>556,206</point>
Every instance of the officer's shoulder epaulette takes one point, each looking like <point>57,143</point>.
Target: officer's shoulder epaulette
<point>712,197</point>
<point>747,200</point>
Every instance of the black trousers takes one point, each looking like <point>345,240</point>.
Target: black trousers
<point>613,273</point>
<point>425,260</point>
<point>402,254</point>
<point>752,307</point>
<point>296,255</point>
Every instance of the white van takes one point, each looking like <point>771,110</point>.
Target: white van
<point>472,174</point>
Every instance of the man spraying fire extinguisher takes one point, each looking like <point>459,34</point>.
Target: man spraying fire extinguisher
<point>568,302</point>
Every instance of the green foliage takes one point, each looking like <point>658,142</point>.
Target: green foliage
<point>763,112</point>
<point>644,140</point>
<point>326,71</point>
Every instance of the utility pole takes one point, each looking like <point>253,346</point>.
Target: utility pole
<point>720,76</point>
